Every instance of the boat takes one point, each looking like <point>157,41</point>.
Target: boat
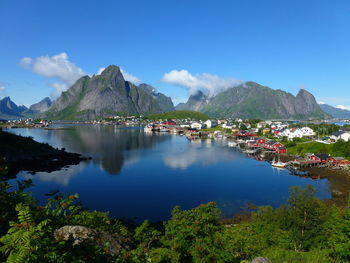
<point>164,129</point>
<point>250,151</point>
<point>231,144</point>
<point>148,129</point>
<point>278,164</point>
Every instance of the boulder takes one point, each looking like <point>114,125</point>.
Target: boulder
<point>112,243</point>
<point>261,260</point>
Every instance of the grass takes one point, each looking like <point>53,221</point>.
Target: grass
<point>181,114</point>
<point>338,149</point>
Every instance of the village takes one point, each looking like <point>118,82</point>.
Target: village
<point>264,140</point>
<point>269,140</point>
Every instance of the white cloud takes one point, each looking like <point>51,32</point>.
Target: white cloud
<point>129,77</point>
<point>58,88</point>
<point>321,102</point>
<point>100,71</point>
<point>211,84</point>
<point>342,107</point>
<point>3,86</point>
<point>57,67</point>
<point>64,72</point>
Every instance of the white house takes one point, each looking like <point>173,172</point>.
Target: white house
<point>340,135</point>
<point>307,131</point>
<point>261,124</point>
<point>211,123</point>
<point>291,133</point>
<point>296,132</point>
<point>196,125</point>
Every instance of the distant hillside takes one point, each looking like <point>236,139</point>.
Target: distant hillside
<point>181,114</point>
<point>41,106</point>
<point>101,95</point>
<point>254,101</point>
<point>335,112</point>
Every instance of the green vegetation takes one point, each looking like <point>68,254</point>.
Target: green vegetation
<point>338,149</point>
<point>320,129</point>
<point>304,230</point>
<point>181,114</point>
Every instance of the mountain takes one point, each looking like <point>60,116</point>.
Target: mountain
<point>165,103</point>
<point>195,102</point>
<point>9,109</point>
<point>105,94</point>
<point>335,112</point>
<point>41,106</point>
<point>252,100</point>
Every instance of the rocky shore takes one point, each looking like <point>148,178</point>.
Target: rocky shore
<point>44,162</point>
<point>25,154</point>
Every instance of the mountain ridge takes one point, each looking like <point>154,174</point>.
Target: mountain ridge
<point>9,109</point>
<point>252,100</point>
<point>101,95</point>
<point>335,112</point>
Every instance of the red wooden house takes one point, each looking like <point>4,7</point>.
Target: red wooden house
<point>322,158</point>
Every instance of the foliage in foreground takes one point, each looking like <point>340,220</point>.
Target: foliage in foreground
<point>303,230</point>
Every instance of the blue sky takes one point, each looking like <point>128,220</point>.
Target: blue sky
<point>200,44</point>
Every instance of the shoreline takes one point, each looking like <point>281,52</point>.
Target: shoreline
<point>25,154</point>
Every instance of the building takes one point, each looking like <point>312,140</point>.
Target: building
<point>307,131</point>
<point>296,133</point>
<point>211,123</point>
<point>196,125</point>
<point>340,135</point>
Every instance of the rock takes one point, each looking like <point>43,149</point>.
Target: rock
<point>112,243</point>
<point>261,260</point>
<point>76,233</point>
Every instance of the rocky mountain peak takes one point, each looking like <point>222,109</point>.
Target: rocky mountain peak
<point>9,108</point>
<point>304,93</point>
<point>113,72</point>
<point>107,94</point>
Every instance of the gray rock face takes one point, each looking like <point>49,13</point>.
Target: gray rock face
<point>251,100</point>
<point>41,106</point>
<point>112,243</point>
<point>164,102</point>
<point>104,94</point>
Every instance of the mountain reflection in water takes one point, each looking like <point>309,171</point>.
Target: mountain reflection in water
<point>158,172</point>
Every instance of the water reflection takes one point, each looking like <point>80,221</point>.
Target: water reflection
<point>158,172</point>
<point>110,146</point>
<point>62,177</point>
<point>200,152</point>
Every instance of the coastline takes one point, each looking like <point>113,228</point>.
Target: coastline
<point>25,154</point>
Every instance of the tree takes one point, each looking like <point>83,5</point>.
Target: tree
<point>191,233</point>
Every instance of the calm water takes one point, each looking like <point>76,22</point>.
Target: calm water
<point>136,175</point>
